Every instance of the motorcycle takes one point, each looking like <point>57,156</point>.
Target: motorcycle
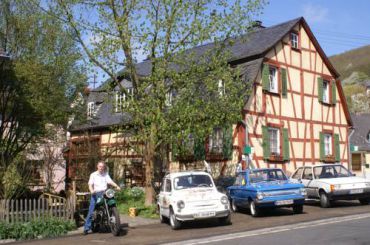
<point>106,214</point>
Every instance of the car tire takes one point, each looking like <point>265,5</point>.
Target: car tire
<point>162,218</point>
<point>364,201</point>
<point>175,224</point>
<point>324,200</point>
<point>255,211</point>
<point>298,209</point>
<point>225,220</point>
<point>234,208</point>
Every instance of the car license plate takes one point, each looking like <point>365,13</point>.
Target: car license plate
<point>204,214</point>
<point>283,202</point>
<point>356,191</point>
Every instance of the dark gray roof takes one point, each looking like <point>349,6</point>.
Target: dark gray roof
<point>246,51</point>
<point>361,124</point>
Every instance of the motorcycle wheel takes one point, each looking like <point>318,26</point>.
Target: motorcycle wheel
<point>114,223</point>
<point>95,226</point>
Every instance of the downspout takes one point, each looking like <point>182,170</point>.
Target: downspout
<point>349,148</point>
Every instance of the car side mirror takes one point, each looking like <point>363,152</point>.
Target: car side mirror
<point>299,180</point>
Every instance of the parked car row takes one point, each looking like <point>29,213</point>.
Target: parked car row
<point>186,196</point>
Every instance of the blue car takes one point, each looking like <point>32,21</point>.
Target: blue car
<point>265,188</point>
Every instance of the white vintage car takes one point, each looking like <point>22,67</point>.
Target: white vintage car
<point>186,196</point>
<point>328,182</point>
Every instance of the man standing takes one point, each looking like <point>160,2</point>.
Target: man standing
<point>98,183</point>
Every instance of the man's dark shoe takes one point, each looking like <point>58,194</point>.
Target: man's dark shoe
<point>86,232</point>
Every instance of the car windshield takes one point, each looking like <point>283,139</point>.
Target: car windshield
<point>191,181</point>
<point>333,171</point>
<point>266,175</point>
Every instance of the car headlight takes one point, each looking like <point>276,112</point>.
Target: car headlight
<point>260,195</point>
<point>303,191</point>
<point>109,193</point>
<point>224,200</point>
<point>181,204</point>
<point>334,187</point>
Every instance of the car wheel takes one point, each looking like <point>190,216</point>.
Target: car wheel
<point>162,218</point>
<point>298,209</point>
<point>324,200</point>
<point>255,211</point>
<point>364,201</point>
<point>225,220</point>
<point>175,224</point>
<point>234,208</point>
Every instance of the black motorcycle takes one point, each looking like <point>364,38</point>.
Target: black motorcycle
<point>106,215</point>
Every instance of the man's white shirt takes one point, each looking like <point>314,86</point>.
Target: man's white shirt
<point>100,181</point>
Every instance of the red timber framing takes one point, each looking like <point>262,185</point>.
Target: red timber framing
<point>302,116</point>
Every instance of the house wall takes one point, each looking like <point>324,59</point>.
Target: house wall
<point>301,112</point>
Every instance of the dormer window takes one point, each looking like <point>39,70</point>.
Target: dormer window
<point>90,109</point>
<point>294,41</point>
<point>122,100</point>
<point>221,87</point>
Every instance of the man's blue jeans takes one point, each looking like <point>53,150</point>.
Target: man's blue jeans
<point>93,199</point>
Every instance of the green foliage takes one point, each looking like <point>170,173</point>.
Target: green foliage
<point>135,197</point>
<point>51,227</point>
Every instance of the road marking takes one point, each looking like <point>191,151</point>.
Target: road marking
<point>270,230</point>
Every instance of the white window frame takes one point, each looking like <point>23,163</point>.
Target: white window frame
<point>121,100</point>
<point>90,109</point>
<point>221,87</point>
<point>294,40</point>
<point>328,144</point>
<point>216,140</point>
<point>325,91</point>
<point>273,79</point>
<point>169,98</point>
<point>274,146</point>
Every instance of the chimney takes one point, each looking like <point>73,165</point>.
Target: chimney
<point>255,26</point>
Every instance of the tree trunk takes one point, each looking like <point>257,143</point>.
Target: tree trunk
<point>149,155</point>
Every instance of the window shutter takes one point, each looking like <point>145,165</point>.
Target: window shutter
<point>333,93</point>
<point>265,142</point>
<point>337,149</point>
<point>199,149</point>
<point>320,83</point>
<point>285,145</point>
<point>322,147</point>
<point>284,88</point>
<point>265,77</point>
<point>227,146</point>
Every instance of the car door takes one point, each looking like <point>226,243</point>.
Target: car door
<point>235,190</point>
<point>164,197</point>
<point>307,181</point>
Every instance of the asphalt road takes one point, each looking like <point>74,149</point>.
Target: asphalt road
<point>347,230</point>
<point>241,222</point>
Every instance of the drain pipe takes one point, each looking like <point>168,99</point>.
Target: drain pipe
<point>349,148</point>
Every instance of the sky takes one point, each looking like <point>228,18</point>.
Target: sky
<point>338,25</point>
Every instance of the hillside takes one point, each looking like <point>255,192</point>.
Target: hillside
<point>356,60</point>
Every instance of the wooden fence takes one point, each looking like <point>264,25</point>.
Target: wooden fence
<point>47,206</point>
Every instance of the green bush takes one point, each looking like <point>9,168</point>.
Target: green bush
<point>50,227</point>
<point>135,197</point>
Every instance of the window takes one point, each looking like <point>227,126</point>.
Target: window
<point>294,40</point>
<point>307,174</point>
<point>216,141</point>
<point>221,87</point>
<point>273,81</point>
<point>328,145</point>
<point>325,91</point>
<point>169,98</point>
<point>122,99</point>
<point>90,109</point>
<point>368,137</point>
<point>168,187</point>
<point>298,174</point>
<point>274,141</point>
